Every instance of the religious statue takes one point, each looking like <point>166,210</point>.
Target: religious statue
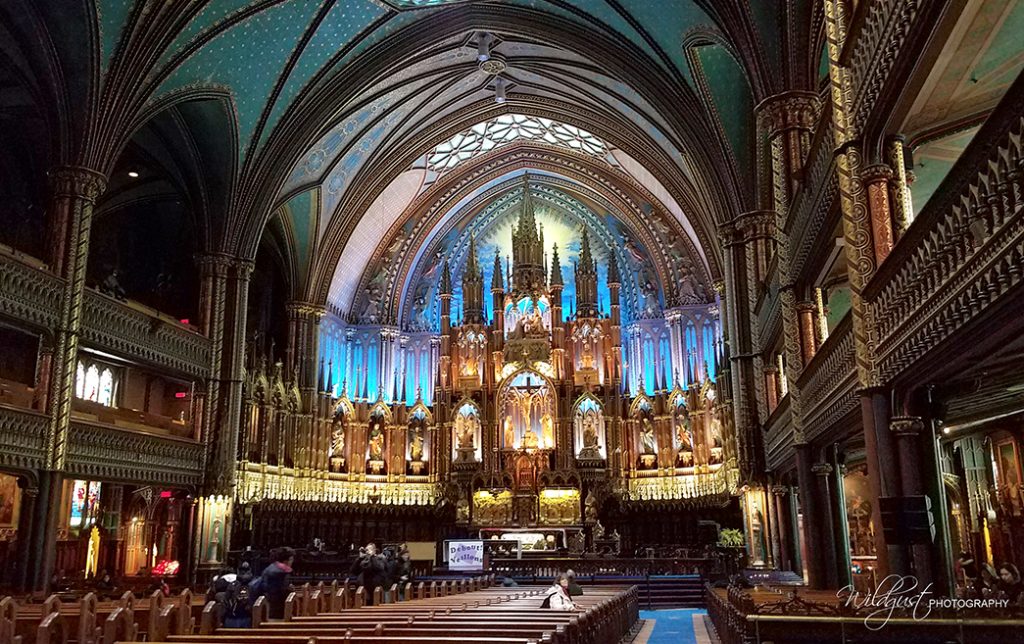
<point>590,432</point>
<point>510,433</point>
<point>530,439</point>
<point>376,442</point>
<point>462,510</point>
<point>684,433</point>
<point>647,441</point>
<point>534,325</point>
<point>337,438</point>
<point>590,508</point>
<point>598,530</point>
<point>469,365</point>
<point>416,444</point>
<point>466,430</point>
<point>547,431</point>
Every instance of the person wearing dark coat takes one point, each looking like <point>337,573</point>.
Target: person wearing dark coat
<point>574,588</point>
<point>371,569</point>
<point>274,581</point>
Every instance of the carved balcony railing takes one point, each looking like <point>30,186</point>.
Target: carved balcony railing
<point>811,214</point>
<point>144,336</point>
<point>778,436</point>
<point>28,294</point>
<point>828,386</point>
<point>31,296</point>
<point>963,253</point>
<point>21,438</point>
<point>884,44</point>
<point>107,452</point>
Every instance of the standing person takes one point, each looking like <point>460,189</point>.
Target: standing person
<point>557,596</point>
<point>404,571</point>
<point>273,583</point>
<point>573,587</point>
<point>370,569</point>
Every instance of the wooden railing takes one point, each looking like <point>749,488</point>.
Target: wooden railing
<point>963,252</point>
<point>540,569</point>
<point>31,296</point>
<point>828,385</point>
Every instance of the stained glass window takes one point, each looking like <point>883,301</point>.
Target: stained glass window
<point>96,383</point>
<point>508,128</point>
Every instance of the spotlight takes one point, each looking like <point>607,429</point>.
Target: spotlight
<point>133,174</point>
<point>483,46</point>
<point>499,90</point>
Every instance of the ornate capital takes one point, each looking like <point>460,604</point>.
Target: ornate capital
<point>876,173</point>
<point>306,309</point>
<point>77,182</point>
<point>757,224</point>
<point>789,110</point>
<point>780,490</point>
<point>214,263</point>
<point>822,469</point>
<point>906,425</point>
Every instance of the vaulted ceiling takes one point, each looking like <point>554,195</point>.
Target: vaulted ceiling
<point>316,120</point>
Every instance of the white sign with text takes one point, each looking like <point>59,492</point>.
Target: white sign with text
<point>466,556</point>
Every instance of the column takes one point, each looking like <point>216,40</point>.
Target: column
<point>812,509</point>
<point>808,334</point>
<point>898,158</point>
<point>74,194</point>
<point>826,532</point>
<point>784,526</point>
<point>907,432</point>
<point>878,181</point>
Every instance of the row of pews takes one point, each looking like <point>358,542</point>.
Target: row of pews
<point>470,611</point>
<point>92,621</point>
<point>467,611</point>
<point>804,616</point>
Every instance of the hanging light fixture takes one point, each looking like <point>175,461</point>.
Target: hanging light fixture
<point>483,46</point>
<point>499,90</point>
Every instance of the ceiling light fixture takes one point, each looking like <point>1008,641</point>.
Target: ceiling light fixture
<point>499,90</point>
<point>483,46</point>
<point>133,174</point>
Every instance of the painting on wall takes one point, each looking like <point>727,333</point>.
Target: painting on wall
<point>10,496</point>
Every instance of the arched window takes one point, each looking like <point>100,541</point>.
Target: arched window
<point>690,359</point>
<point>97,382</point>
<point>650,365</point>
<point>709,348</point>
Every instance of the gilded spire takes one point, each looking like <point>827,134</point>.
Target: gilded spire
<point>585,256</point>
<point>472,265</point>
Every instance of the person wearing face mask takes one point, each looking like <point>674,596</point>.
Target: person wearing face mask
<point>557,596</point>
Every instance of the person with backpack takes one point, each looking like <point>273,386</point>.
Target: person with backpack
<point>273,583</point>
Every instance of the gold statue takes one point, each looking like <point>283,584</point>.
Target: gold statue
<point>647,441</point>
<point>530,439</point>
<point>510,433</point>
<point>376,442</point>
<point>547,431</point>
<point>416,446</point>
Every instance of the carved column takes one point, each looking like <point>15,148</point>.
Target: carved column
<point>771,387</point>
<point>878,181</point>
<point>808,333</point>
<point>787,120</point>
<point>898,158</point>
<point>220,475</point>
<point>743,369</point>
<point>74,194</point>
<point>302,358</point>
<point>23,572</point>
<point>862,264</point>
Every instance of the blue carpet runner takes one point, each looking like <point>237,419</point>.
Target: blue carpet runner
<point>672,626</point>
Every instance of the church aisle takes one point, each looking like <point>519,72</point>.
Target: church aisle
<point>677,626</point>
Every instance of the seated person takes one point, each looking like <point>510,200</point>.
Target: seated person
<point>573,587</point>
<point>557,596</point>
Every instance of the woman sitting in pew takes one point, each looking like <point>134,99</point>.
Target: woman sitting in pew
<point>557,596</point>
